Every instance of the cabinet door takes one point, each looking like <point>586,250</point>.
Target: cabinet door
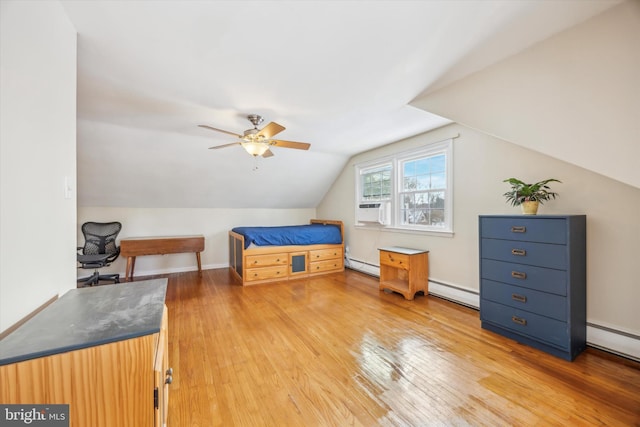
<point>298,263</point>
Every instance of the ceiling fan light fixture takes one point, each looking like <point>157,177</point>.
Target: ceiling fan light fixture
<point>255,148</point>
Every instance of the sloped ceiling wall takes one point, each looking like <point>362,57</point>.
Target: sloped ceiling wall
<point>574,96</point>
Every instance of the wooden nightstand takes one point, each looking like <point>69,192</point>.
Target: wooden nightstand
<point>404,270</point>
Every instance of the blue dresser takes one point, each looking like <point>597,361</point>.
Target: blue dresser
<point>533,280</point>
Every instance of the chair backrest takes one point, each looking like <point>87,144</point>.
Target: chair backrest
<point>100,238</point>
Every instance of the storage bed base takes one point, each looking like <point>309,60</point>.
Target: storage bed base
<point>267,264</point>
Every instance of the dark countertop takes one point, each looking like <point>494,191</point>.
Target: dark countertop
<point>88,317</point>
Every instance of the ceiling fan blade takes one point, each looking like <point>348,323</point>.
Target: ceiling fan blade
<point>267,153</point>
<point>224,145</point>
<point>220,130</point>
<point>290,144</point>
<point>270,130</point>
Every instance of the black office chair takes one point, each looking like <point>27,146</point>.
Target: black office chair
<point>99,250</point>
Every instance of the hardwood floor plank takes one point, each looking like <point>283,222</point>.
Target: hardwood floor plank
<point>334,350</point>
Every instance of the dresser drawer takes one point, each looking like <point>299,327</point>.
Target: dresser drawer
<point>544,230</point>
<point>323,254</point>
<point>526,276</point>
<point>394,259</point>
<point>542,328</point>
<point>265,260</point>
<point>266,273</point>
<point>540,254</point>
<point>545,304</point>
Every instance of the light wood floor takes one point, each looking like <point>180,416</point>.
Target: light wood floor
<point>334,351</point>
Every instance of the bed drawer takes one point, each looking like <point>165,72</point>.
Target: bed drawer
<point>324,254</point>
<point>327,265</point>
<point>394,259</point>
<point>266,273</point>
<point>266,260</point>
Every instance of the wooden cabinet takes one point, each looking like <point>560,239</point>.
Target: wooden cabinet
<point>404,270</point>
<point>533,280</point>
<point>103,351</point>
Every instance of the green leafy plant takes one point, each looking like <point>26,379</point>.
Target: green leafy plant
<point>521,192</point>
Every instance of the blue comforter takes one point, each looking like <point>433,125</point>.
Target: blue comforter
<point>309,234</point>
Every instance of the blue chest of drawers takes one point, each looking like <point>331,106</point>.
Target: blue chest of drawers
<point>533,280</point>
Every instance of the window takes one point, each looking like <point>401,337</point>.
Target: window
<point>376,183</point>
<point>416,183</point>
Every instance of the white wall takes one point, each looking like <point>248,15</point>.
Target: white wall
<point>37,152</point>
<point>214,224</point>
<point>481,163</point>
<point>574,96</point>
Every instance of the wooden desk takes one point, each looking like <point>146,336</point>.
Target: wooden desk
<point>132,247</point>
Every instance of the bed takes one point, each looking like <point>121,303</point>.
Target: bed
<point>269,254</point>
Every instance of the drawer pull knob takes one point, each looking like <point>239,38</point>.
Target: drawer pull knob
<point>518,252</point>
<point>518,274</point>
<point>519,298</point>
<point>518,229</point>
<point>519,320</point>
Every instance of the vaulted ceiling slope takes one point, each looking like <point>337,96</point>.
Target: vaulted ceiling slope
<point>338,75</point>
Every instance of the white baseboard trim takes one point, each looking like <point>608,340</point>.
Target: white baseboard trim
<point>144,273</point>
<point>611,340</point>
<point>601,337</point>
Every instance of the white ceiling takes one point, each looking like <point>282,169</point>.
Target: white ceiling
<point>337,74</point>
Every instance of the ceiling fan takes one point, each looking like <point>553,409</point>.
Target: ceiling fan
<point>258,142</point>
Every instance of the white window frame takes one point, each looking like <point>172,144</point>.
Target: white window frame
<point>395,161</point>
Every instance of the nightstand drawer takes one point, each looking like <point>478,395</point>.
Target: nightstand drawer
<point>527,324</point>
<point>540,254</point>
<point>545,304</point>
<point>526,276</point>
<point>394,259</point>
<point>544,230</point>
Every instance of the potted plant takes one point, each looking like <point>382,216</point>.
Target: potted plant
<point>529,196</point>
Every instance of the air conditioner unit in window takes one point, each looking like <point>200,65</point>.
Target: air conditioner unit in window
<point>379,212</point>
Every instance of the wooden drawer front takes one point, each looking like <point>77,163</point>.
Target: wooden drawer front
<point>542,303</point>
<point>327,265</point>
<point>266,273</point>
<point>540,254</point>
<point>525,323</point>
<point>394,259</point>
<point>526,276</point>
<point>266,260</point>
<point>323,254</point>
<point>544,230</point>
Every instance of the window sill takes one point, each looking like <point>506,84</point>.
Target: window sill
<point>391,229</point>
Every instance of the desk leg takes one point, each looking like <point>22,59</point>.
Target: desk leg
<point>131,264</point>
<point>199,263</point>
